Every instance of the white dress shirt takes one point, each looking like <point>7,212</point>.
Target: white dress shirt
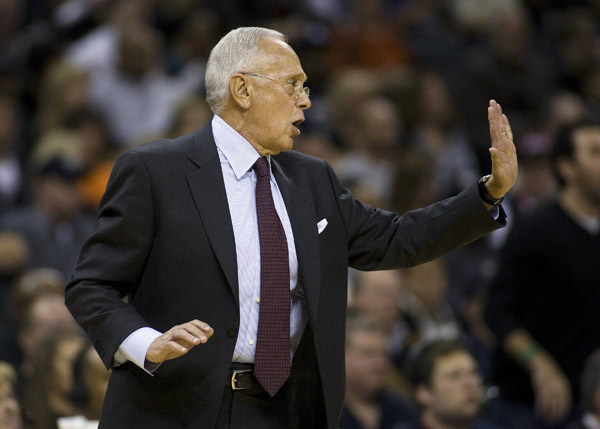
<point>237,156</point>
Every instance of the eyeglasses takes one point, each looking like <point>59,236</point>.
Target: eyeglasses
<point>297,85</point>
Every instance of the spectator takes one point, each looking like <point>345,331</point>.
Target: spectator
<point>138,98</point>
<point>48,393</point>
<point>26,286</point>
<point>54,224</point>
<point>369,404</point>
<point>10,410</point>
<point>448,387</point>
<point>64,93</point>
<point>543,303</point>
<point>509,67</point>
<point>97,51</point>
<point>46,315</point>
<point>427,315</point>
<point>435,131</point>
<point>190,114</point>
<point>90,380</point>
<point>368,167</point>
<point>14,254</point>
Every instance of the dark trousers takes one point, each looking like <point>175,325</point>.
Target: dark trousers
<point>298,405</point>
<point>253,408</point>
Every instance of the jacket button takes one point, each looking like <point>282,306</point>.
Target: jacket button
<point>232,331</point>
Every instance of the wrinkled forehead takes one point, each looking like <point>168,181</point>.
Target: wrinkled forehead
<point>277,58</point>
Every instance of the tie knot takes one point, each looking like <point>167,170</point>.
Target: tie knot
<point>261,167</point>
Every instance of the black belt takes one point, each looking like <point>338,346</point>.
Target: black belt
<point>242,377</point>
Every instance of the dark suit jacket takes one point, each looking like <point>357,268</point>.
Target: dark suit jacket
<point>164,240</point>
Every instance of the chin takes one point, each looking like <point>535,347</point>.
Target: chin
<point>288,145</point>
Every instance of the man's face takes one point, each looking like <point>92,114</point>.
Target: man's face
<point>455,393</point>
<point>276,110</point>
<point>586,163</point>
<point>366,362</point>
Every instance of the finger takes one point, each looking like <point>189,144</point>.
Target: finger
<point>498,162</point>
<point>494,116</point>
<point>199,329</point>
<point>506,127</point>
<point>188,335</point>
<point>173,349</point>
<point>205,327</point>
<point>162,349</point>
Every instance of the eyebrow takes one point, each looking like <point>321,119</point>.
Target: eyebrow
<point>298,76</point>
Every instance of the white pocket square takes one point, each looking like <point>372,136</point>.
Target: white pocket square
<point>321,225</point>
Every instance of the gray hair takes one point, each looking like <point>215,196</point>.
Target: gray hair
<point>235,52</point>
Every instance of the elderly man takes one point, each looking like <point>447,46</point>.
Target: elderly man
<point>215,282</point>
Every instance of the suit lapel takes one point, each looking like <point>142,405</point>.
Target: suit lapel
<point>208,189</point>
<point>301,212</point>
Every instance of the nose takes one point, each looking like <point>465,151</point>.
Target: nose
<point>303,101</point>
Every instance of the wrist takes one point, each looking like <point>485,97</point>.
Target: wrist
<point>526,357</point>
<point>488,197</point>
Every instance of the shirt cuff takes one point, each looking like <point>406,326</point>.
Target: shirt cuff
<point>135,346</point>
<point>495,212</point>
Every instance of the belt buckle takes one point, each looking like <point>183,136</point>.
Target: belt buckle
<point>234,379</point>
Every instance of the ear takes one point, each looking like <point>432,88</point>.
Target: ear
<point>240,90</point>
<point>566,169</point>
<point>422,395</point>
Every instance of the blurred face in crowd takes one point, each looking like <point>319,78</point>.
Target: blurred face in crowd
<point>379,296</point>
<point>138,51</point>
<point>62,365</point>
<point>455,391</point>
<point>366,362</point>
<point>584,170</point>
<point>275,101</point>
<point>10,411</point>
<point>47,315</point>
<point>58,197</point>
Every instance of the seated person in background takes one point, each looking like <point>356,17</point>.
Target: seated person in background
<point>543,302</point>
<point>90,380</point>
<point>369,404</point>
<point>448,387</point>
<point>48,393</point>
<point>590,394</point>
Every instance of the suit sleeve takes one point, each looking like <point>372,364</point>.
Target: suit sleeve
<point>113,259</point>
<point>379,239</point>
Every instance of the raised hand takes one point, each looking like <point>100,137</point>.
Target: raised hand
<point>503,153</point>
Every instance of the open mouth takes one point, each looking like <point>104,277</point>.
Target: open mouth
<point>296,124</point>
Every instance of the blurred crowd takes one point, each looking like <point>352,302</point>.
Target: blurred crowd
<point>399,91</point>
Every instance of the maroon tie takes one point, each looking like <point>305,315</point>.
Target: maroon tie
<point>272,358</point>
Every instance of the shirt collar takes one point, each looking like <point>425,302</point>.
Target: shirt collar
<point>240,154</point>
